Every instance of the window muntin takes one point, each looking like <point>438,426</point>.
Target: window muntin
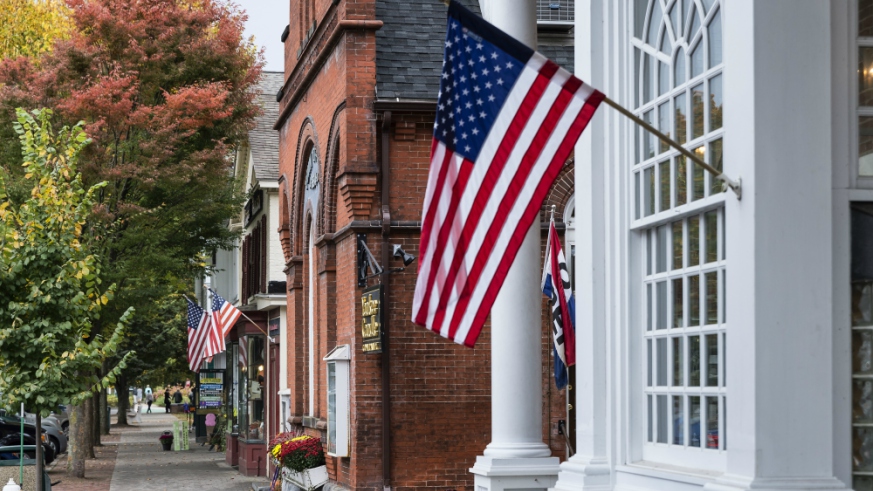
<point>678,215</point>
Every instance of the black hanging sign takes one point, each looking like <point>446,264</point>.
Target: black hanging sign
<point>371,319</point>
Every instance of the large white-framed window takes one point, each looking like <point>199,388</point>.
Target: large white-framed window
<point>677,214</point>
<point>311,317</point>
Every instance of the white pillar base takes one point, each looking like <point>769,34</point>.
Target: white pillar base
<point>739,483</point>
<point>506,474</point>
<point>581,473</point>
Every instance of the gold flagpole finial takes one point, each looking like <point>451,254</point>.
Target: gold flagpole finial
<point>553,213</point>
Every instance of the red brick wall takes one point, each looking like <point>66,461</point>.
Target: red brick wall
<point>440,391</point>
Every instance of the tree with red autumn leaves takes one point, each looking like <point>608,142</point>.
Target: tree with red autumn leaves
<point>165,89</point>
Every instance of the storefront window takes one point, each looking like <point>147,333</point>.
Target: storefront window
<point>251,401</point>
<point>233,388</point>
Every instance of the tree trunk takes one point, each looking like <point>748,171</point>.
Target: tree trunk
<point>121,392</point>
<point>104,413</point>
<point>40,464</point>
<point>89,431</point>
<point>95,421</point>
<point>77,443</point>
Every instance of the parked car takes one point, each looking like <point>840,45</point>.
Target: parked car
<point>10,435</point>
<point>56,435</point>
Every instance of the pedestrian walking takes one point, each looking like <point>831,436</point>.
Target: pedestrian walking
<point>149,400</point>
<point>177,396</point>
<point>167,399</point>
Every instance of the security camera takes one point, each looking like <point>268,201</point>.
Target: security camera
<point>399,252</point>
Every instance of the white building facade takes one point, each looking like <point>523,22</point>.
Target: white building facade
<point>724,342</point>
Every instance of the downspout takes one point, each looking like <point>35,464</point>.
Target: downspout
<point>386,288</point>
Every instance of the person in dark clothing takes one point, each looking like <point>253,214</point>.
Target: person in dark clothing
<point>167,399</point>
<point>177,397</point>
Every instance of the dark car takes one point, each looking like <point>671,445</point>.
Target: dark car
<point>10,435</point>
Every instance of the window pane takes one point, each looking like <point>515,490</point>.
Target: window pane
<point>697,60</point>
<point>723,296</point>
<point>865,18</point>
<point>698,176</point>
<point>694,361</point>
<point>667,49</point>
<point>663,75</point>
<point>715,40</point>
<point>648,78</point>
<point>680,119</point>
<point>649,139</point>
<point>676,17</point>
<point>661,305</point>
<point>649,360</point>
<point>637,78</point>
<point>639,17</point>
<point>648,306</point>
<point>678,356</point>
<point>715,103</point>
<point>711,232</point>
<point>723,435</point>
<point>694,240</point>
<point>681,178</point>
<point>649,191</point>
<point>677,245</point>
<point>664,124</point>
<point>707,4</point>
<point>331,406</point>
<point>694,300</point>
<point>865,76</point>
<point>697,111</point>
<point>694,421</point>
<point>694,24</point>
<point>712,297</point>
<point>649,251</point>
<point>650,427</point>
<point>654,24</point>
<point>664,171</point>
<point>637,195</point>
<point>662,361</point>
<point>678,321</point>
<point>865,146</point>
<point>663,417</point>
<point>712,360</point>
<point>712,422</point>
<point>662,251</point>
<point>678,421</point>
<point>679,68</point>
<point>715,160</point>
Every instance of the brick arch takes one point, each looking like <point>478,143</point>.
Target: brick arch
<point>561,191</point>
<point>285,218</point>
<point>306,140</point>
<point>333,156</point>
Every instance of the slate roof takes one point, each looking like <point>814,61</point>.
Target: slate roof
<point>263,139</point>
<point>409,48</point>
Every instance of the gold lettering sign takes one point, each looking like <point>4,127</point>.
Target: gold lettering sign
<point>371,320</point>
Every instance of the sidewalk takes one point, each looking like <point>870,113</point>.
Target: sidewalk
<point>141,464</point>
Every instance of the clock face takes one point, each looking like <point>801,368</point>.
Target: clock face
<point>312,170</point>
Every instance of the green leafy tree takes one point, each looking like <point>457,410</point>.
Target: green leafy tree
<point>51,295</point>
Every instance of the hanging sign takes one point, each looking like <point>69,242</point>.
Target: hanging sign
<point>371,319</point>
<point>210,392</point>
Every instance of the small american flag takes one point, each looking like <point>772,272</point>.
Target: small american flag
<point>507,119</point>
<point>201,336</point>
<point>557,287</point>
<point>224,315</point>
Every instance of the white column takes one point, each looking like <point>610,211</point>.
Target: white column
<point>589,468</point>
<point>517,458</point>
<point>779,432</point>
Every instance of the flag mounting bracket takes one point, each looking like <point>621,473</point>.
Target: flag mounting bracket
<point>735,185</point>
<point>367,262</point>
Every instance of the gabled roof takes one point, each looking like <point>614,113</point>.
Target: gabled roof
<point>263,139</point>
<point>409,48</point>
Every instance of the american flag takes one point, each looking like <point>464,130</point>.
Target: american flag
<point>556,286</point>
<point>202,338</point>
<point>243,352</point>
<point>224,315</point>
<point>507,119</point>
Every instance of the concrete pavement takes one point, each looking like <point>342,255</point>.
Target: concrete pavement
<point>142,464</point>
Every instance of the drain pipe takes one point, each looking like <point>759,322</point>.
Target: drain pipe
<point>386,288</point>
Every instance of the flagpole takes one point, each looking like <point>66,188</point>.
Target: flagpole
<point>735,186</point>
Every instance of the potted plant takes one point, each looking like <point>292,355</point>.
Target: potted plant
<point>166,440</point>
<point>301,459</point>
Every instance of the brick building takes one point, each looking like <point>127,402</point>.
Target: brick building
<point>355,123</point>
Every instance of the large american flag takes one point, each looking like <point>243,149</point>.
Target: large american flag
<point>224,315</point>
<point>202,337</point>
<point>507,119</point>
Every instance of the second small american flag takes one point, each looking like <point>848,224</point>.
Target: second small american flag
<point>507,119</point>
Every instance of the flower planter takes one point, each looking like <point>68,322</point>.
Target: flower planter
<point>308,479</point>
<point>167,444</point>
